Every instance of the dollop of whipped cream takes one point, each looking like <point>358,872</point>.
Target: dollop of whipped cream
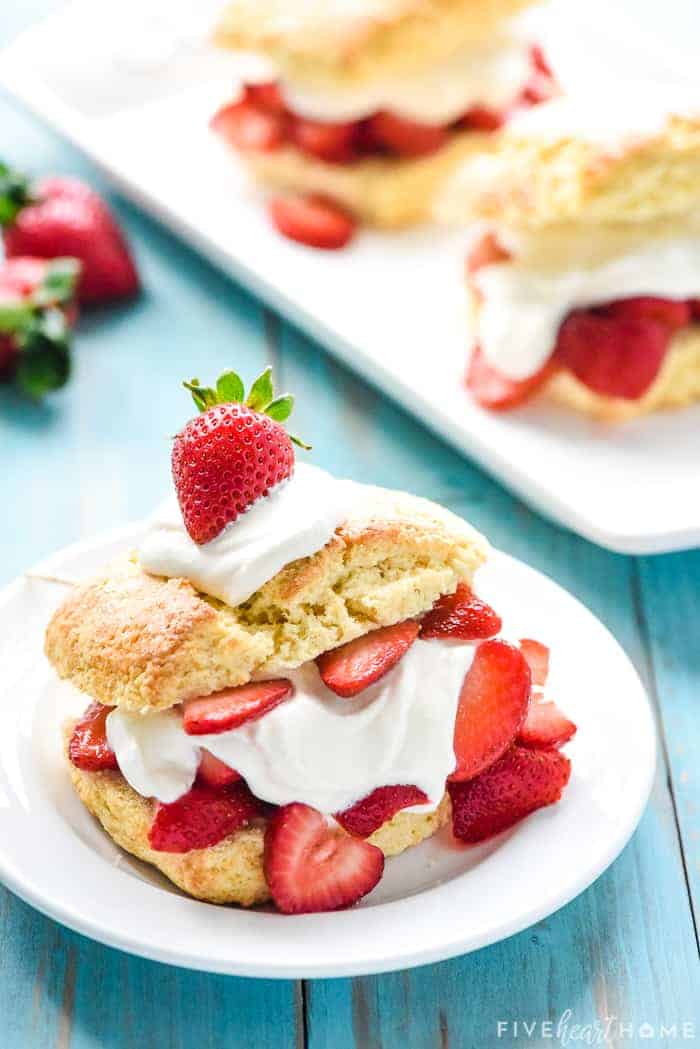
<point>316,748</point>
<point>523,304</point>
<point>295,519</point>
<point>489,75</point>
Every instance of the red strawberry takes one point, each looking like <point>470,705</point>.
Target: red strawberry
<point>232,454</point>
<point>694,305</point>
<point>310,866</point>
<point>481,118</point>
<point>672,313</point>
<point>496,391</point>
<point>266,96</point>
<point>349,669</point>
<point>234,706</point>
<point>215,773</point>
<point>334,143</point>
<point>312,220</point>
<point>247,126</point>
<point>542,84</point>
<point>613,356</point>
<point>545,726</point>
<point>202,817</point>
<point>367,815</point>
<point>492,707</point>
<point>537,656</point>
<point>406,137</point>
<point>487,251</point>
<point>88,748</point>
<point>64,217</point>
<point>520,782</point>
<point>461,615</point>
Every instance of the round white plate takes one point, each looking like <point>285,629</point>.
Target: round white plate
<point>436,901</point>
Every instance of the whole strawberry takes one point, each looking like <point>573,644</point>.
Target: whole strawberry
<point>63,217</point>
<point>232,454</point>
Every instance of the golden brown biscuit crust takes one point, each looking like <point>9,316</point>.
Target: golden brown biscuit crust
<point>321,41</point>
<point>143,643</point>
<point>533,182</point>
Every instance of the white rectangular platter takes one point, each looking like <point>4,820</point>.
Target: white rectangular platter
<point>390,306</point>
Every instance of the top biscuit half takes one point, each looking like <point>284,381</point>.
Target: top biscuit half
<point>144,643</point>
<point>355,41</point>
<point>608,159</point>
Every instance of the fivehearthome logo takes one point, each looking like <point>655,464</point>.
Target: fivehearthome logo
<point>610,1030</point>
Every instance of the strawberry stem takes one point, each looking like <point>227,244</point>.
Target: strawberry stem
<point>14,194</point>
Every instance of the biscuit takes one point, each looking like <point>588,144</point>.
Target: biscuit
<point>144,643</point>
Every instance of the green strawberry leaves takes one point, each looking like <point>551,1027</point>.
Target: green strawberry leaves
<point>14,194</point>
<point>261,398</point>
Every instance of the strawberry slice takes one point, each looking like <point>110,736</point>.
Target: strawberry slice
<point>537,656</point>
<point>232,707</point>
<point>674,314</point>
<point>310,866</point>
<point>545,726</point>
<point>247,126</point>
<point>481,118</point>
<point>613,356</point>
<point>88,748</point>
<point>368,814</point>
<point>496,391</point>
<point>312,220</point>
<point>406,137</point>
<point>461,615</point>
<point>333,143</point>
<point>520,782</point>
<point>349,669</point>
<point>492,707</point>
<point>215,773</point>
<point>487,251</point>
<point>202,817</point>
<point>265,96</point>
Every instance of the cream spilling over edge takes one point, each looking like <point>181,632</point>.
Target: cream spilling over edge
<point>294,520</point>
<point>315,747</point>
<point>490,75</point>
<point>523,306</point>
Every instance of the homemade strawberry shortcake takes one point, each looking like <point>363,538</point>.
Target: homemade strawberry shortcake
<point>367,107</point>
<point>586,281</point>
<point>292,678</point>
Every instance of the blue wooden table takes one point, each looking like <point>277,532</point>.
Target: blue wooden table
<point>96,455</point>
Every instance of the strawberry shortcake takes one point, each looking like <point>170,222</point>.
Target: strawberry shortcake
<point>363,109</point>
<point>586,280</point>
<point>292,678</point>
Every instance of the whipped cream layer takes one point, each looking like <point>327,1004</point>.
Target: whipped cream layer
<point>522,304</point>
<point>315,747</point>
<point>296,519</point>
<point>489,75</point>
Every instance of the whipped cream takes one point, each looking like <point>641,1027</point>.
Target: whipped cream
<point>315,747</point>
<point>295,519</point>
<point>489,75</point>
<point>522,305</point>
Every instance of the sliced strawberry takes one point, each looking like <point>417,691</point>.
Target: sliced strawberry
<point>672,313</point>
<point>492,707</point>
<point>496,391</point>
<point>487,251</point>
<point>694,305</point>
<point>368,814</point>
<point>406,137</point>
<point>349,669</point>
<point>88,748</point>
<point>520,782</point>
<point>461,615</point>
<point>247,126</point>
<point>537,656</point>
<point>481,118</point>
<point>613,356</point>
<point>202,817</point>
<point>312,220</point>
<point>265,96</point>
<point>545,726</point>
<point>333,143</point>
<point>215,773</point>
<point>232,707</point>
<point>310,866</point>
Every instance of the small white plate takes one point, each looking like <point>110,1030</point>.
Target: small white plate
<point>436,901</point>
<point>135,93</point>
